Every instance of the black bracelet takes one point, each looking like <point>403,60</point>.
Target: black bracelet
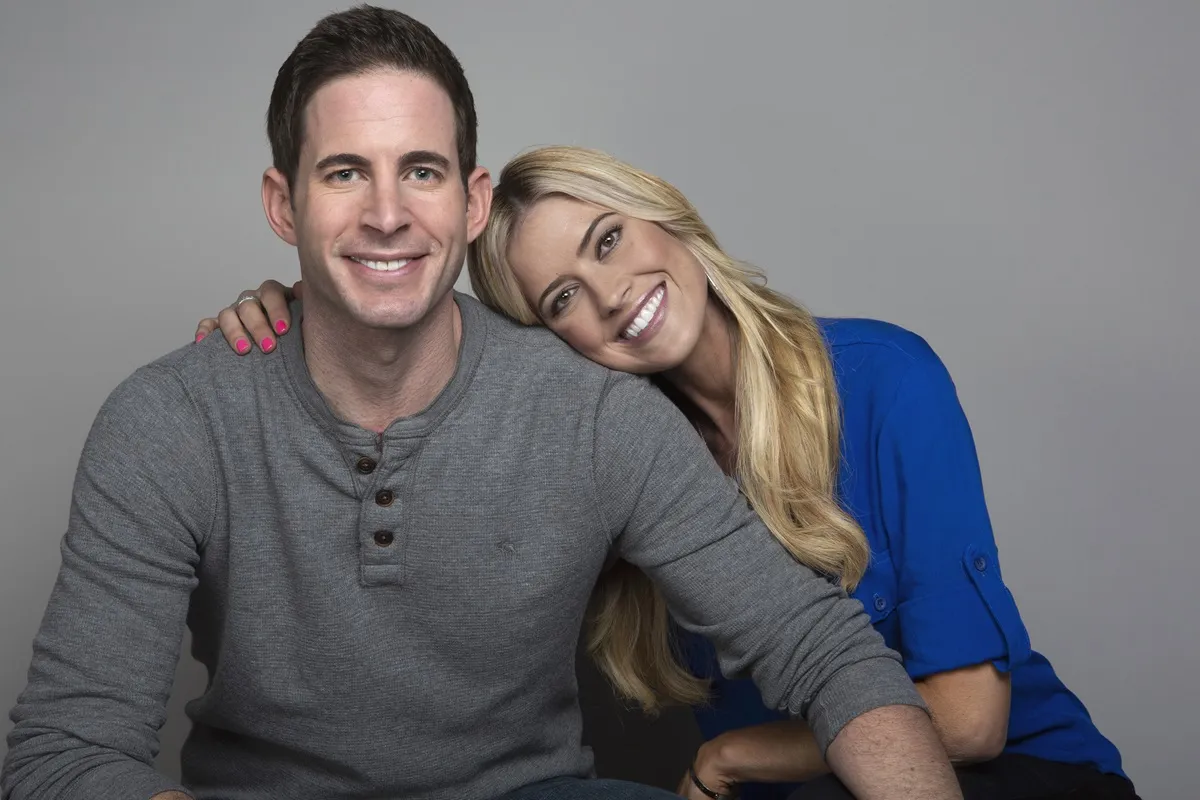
<point>699,784</point>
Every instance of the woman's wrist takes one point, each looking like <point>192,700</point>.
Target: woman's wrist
<point>774,752</point>
<point>716,764</point>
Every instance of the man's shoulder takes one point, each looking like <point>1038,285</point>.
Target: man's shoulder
<point>151,409</point>
<point>211,364</point>
<point>532,368</point>
<point>186,379</point>
<point>536,348</point>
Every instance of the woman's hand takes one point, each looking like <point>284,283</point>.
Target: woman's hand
<point>773,752</point>
<point>256,317</point>
<point>712,773</point>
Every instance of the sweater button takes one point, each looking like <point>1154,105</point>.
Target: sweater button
<point>384,538</point>
<point>384,497</point>
<point>365,465</point>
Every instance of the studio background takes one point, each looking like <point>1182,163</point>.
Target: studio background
<point>1017,182</point>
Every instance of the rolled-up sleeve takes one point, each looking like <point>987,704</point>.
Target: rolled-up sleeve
<point>954,609</point>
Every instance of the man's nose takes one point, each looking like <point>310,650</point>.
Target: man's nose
<point>386,210</point>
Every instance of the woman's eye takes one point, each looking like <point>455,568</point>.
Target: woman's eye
<point>560,301</point>
<point>608,241</point>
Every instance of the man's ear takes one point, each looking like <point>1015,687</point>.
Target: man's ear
<point>277,203</point>
<point>479,202</point>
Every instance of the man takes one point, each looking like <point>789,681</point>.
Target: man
<point>384,541</point>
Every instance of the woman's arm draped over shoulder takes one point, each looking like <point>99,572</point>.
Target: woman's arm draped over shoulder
<point>250,324</point>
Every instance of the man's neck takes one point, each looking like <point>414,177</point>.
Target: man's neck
<point>372,377</point>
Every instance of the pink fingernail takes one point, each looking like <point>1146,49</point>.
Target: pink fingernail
<point>281,327</point>
<point>199,336</point>
<point>242,346</point>
<point>268,344</point>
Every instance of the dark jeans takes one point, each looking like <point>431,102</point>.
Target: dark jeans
<point>1009,777</point>
<point>588,789</point>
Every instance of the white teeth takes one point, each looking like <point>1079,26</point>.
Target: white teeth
<point>382,266</point>
<point>645,315</point>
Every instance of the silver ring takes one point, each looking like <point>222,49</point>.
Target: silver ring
<point>244,297</point>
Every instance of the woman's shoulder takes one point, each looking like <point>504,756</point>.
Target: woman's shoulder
<point>875,338</point>
<point>872,357</point>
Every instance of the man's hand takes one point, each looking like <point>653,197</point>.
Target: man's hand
<point>171,796</point>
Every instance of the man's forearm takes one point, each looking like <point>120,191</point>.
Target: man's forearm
<point>172,796</point>
<point>893,752</point>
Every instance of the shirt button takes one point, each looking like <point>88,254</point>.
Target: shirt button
<point>365,465</point>
<point>980,563</point>
<point>384,538</point>
<point>880,603</point>
<point>384,497</point>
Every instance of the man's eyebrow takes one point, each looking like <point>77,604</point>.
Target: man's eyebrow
<point>407,160</point>
<point>342,160</point>
<point>554,284</point>
<point>425,157</point>
<point>588,235</point>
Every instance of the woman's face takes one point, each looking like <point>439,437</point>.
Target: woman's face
<point>621,291</point>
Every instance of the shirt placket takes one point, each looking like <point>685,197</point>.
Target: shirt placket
<point>381,530</point>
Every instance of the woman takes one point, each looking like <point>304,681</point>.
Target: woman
<point>847,437</point>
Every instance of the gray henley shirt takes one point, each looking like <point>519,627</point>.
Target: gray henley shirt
<point>396,615</point>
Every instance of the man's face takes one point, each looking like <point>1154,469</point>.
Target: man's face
<point>378,211</point>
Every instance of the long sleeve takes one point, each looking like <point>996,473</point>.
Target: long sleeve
<point>87,723</point>
<point>809,648</point>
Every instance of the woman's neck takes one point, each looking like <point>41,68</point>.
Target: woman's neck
<point>707,381</point>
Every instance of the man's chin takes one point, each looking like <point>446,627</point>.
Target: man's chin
<point>373,308</point>
<point>396,315</point>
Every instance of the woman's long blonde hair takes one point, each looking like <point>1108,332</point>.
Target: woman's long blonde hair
<point>786,406</point>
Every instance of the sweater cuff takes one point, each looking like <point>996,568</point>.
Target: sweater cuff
<point>856,689</point>
<point>131,780</point>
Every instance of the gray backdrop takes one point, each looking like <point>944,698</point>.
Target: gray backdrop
<point>1018,182</point>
